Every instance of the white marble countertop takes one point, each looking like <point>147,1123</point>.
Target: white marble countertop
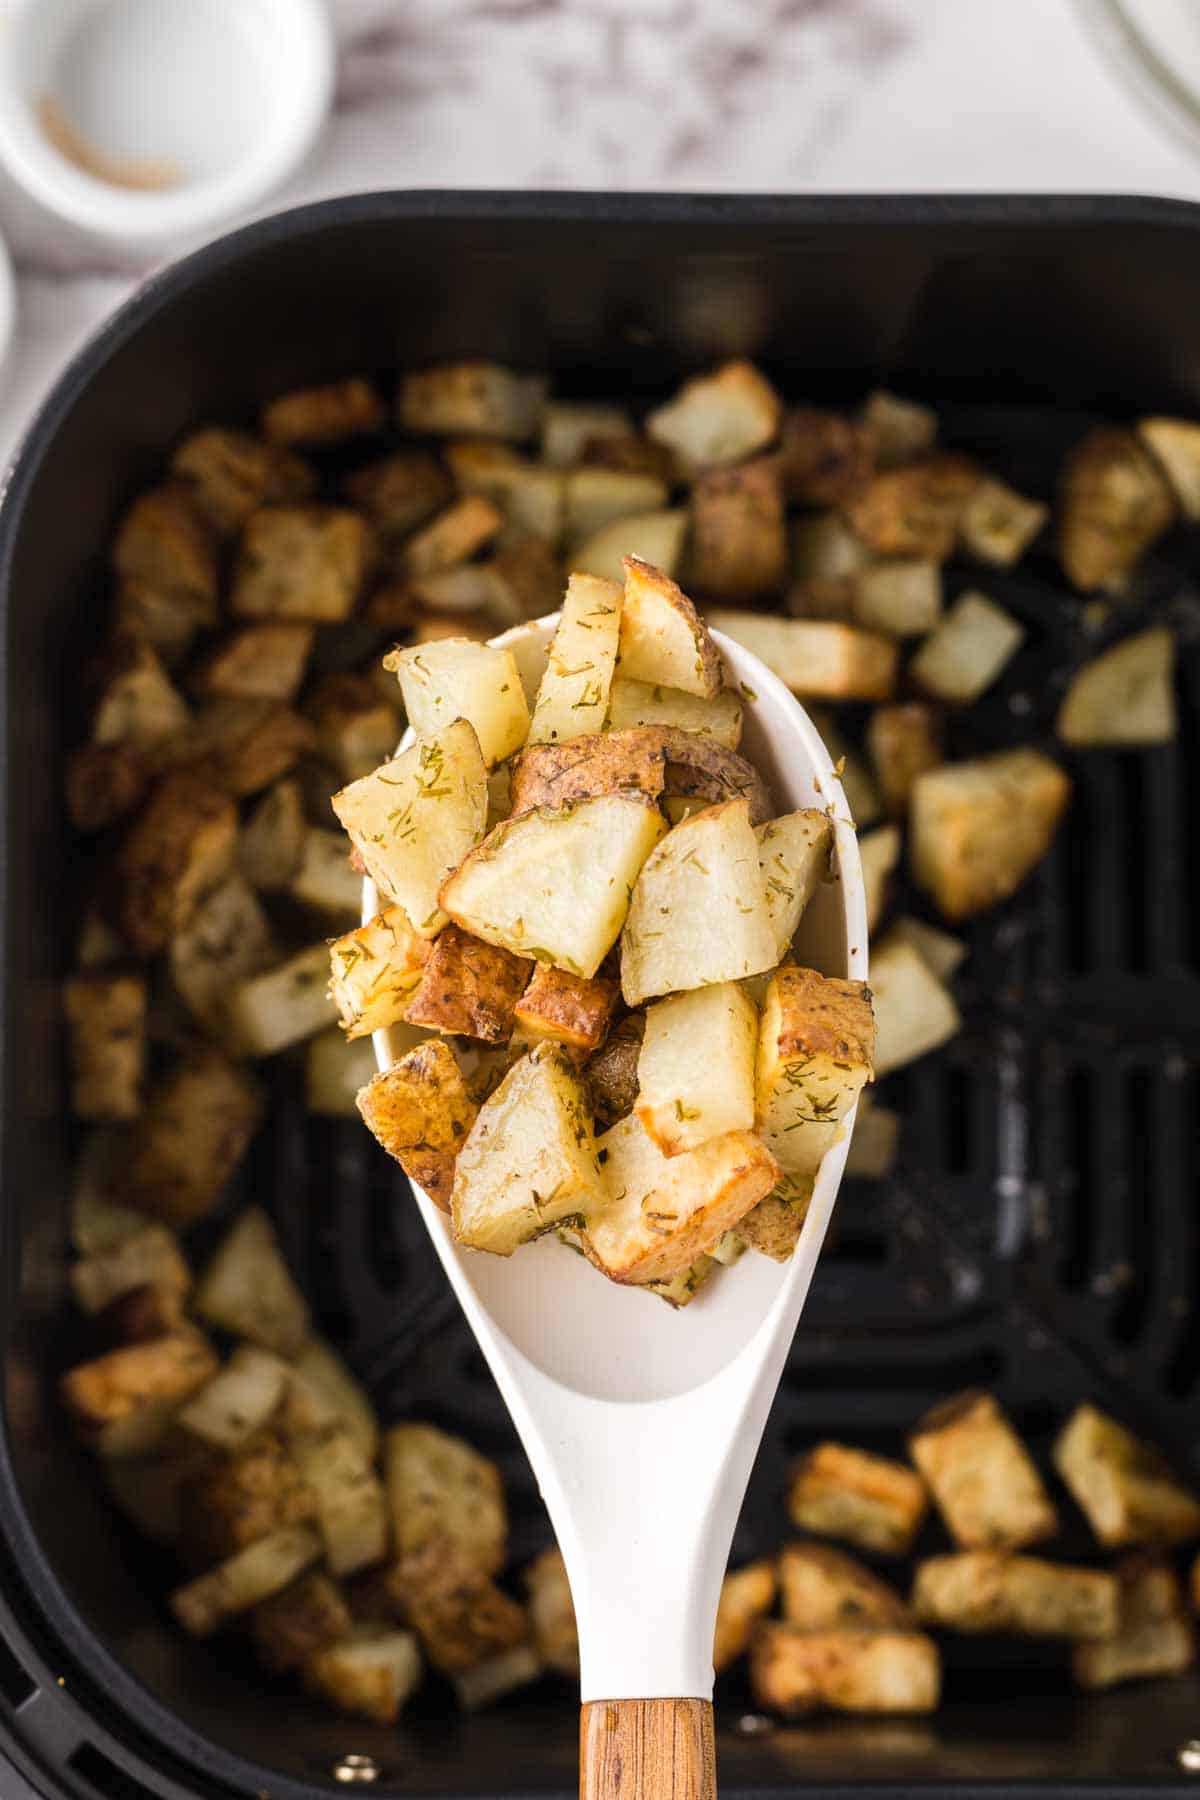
<point>781,95</point>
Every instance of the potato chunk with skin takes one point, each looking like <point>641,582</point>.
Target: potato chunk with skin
<point>1154,1636</point>
<point>822,659</point>
<point>968,651</point>
<point>914,1013</point>
<point>106,1025</point>
<point>164,544</point>
<point>915,509</point>
<point>610,1074</point>
<point>322,1391</point>
<point>899,429</point>
<point>746,1594</point>
<point>659,1213</point>
<point>816,1049</point>
<point>793,854</point>
<point>1124,696</point>
<point>633,703</point>
<point>463,1620</point>
<point>471,399</point>
<point>356,726</point>
<point>685,1098</point>
<point>468,988</point>
<point>283,1006</point>
<point>530,1159</point>
<point>719,417</point>
<point>997,525</point>
<point>555,884</point>
<point>982,1478</point>
<point>995,1591</point>
<point>460,680</point>
<point>350,1508</point>
<point>374,971</point>
<point>324,415</point>
<point>229,474</point>
<point>299,1621</point>
<point>825,459</point>
<point>773,1227</point>
<point>595,498</point>
<point>239,1400</point>
<point>104,783</point>
<point>135,701</point>
<point>177,848</point>
<point>825,1590</point>
<point>400,492</point>
<point>248,743</point>
<point>900,596</point>
<point>867,1500</point>
<point>529,496</point>
<point>247,1288</point>
<point>657,537</point>
<point>151,1259</point>
<point>371,1672</point>
<point>552,1612</point>
<point>272,840</point>
<point>572,696</point>
<point>442,1492</point>
<point>421,1112</point>
<point>1126,1489</point>
<point>1113,502</point>
<point>126,1382</point>
<point>300,562</point>
<point>699,911</point>
<point>568,426</point>
<point>567,1008</point>
<point>978,828</point>
<point>795,1671</point>
<point>739,543</point>
<point>904,741</point>
<point>253,1574</point>
<point>451,537</point>
<point>414,819</point>
<point>233,1500</point>
<point>265,661</point>
<point>663,639</point>
<point>227,940</point>
<point>605,762</point>
<point>199,1119</point>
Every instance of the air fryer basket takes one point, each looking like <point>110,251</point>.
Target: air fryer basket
<point>1042,1234</point>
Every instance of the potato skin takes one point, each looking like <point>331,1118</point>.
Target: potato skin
<point>914,510</point>
<point>739,540</point>
<point>469,988</point>
<point>611,762</point>
<point>420,1111</point>
<point>568,1008</point>
<point>610,1076</point>
<point>824,458</point>
<point>180,845</point>
<point>290,1626</point>
<point>198,1123</point>
<point>1113,503</point>
<point>324,415</point>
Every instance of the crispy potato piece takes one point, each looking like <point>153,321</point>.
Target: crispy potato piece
<point>150,1259</point>
<point>157,617</point>
<point>968,651</point>
<point>327,880</point>
<point>229,474</point>
<point>1126,1489</point>
<point>914,1012</point>
<point>746,1595</point>
<point>659,1213</point>
<point>739,543</point>
<point>239,1400</point>
<point>443,1495</point>
<point>135,702</point>
<point>685,1099</point>
<point>1175,444</point>
<point>468,988</point>
<point>998,525</point>
<point>460,680</point>
<point>106,1027</point>
<point>463,1619</point>
<point>610,1075</point>
<point>253,1574</point>
<point>335,1068</point>
<point>875,1142</point>
<point>898,428</point>
<point>655,537</point>
<point>721,417</point>
<point>400,492</point>
<point>421,1112</point>
<point>356,726</point>
<point>530,1159</point>
<point>451,537</point>
<point>663,639</point>
<point>294,1624</point>
<point>104,783</point>
<point>943,953</point>
<point>471,399</point>
<point>374,971</point>
<point>1124,696</point>
<point>198,1122</point>
<point>914,510</point>
<point>300,562</point>
<point>826,1590</point>
<point>900,596</point>
<point>879,851</point>
<point>324,415</point>
<point>596,498</point>
<point>351,1510</point>
<point>414,820</point>
<point>981,1476</point>
<point>1113,502</point>
<point>227,940</point>
<point>632,703</point>
<point>128,1381</point>
<point>609,762</point>
<point>566,1008</point>
<point>867,1500</point>
<point>552,1612</point>
<point>816,1048</point>
<point>370,1673</point>
<point>793,854</point>
<point>794,1671</point>
<point>164,547</point>
<point>773,1227</point>
<point>1153,1636</point>
<point>271,845</point>
<point>247,1288</point>
<point>256,662</point>
<point>283,1006</point>
<point>322,1391</point>
<point>814,657</point>
<point>699,911</point>
<point>233,1500</point>
<point>978,828</point>
<point>555,883</point>
<point>824,458</point>
<point>180,845</point>
<point>904,741</point>
<point>568,426</point>
<point>247,743</point>
<point>995,1591</point>
<point>572,695</point>
<point>530,496</point>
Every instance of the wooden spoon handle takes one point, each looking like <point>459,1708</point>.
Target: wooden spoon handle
<point>647,1750</point>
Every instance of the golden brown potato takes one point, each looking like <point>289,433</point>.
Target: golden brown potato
<point>1113,502</point>
<point>1175,443</point>
<point>609,762</point>
<point>567,1008</point>
<point>104,783</point>
<point>1124,1486</point>
<point>469,988</point>
<point>461,1617</point>
<point>739,541</point>
<point>421,1111</point>
<point>628,453</point>
<point>106,1028</point>
<point>256,662</point>
<point>133,700</point>
<point>773,1227</point>
<point>981,1476</point>
<point>1125,696</point>
<point>229,474</point>
<point>234,1500</point>
<point>180,845</point>
<point>978,828</point>
<point>164,546</point>
<point>824,458</point>
<point>291,1626</point>
<point>816,1048</point>
<point>126,1381</point>
<point>227,941</point>
<point>746,1594</point>
<point>324,415</point>
<point>995,1591</point>
<point>197,1125</point>
<point>370,1673</point>
<point>150,1259</point>
<point>356,728</point>
<point>817,658</point>
<point>794,1671</point>
<point>552,1612</point>
<point>471,399</point>
<point>152,616</point>
<point>867,1500</point>
<point>300,562</point>
<point>351,1509</point>
<point>451,537</point>
<point>914,510</point>
<point>400,492</point>
<point>247,744</point>
<point>610,1076</point>
<point>443,1494</point>
<point>663,639</point>
<point>826,1590</point>
<point>374,970</point>
<point>719,417</point>
<point>904,741</point>
<point>1154,1636</point>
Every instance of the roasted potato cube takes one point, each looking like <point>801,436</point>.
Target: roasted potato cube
<point>555,884</point>
<point>1175,444</point>
<point>968,651</point>
<point>324,415</point>
<point>229,474</point>
<point>995,1591</point>
<point>610,1075</point>
<point>998,525</point>
<point>552,1612</point>
<point>595,498</point>
<point>773,1227</point>
<point>326,881</point>
<point>334,1071</point>
<point>816,1047</point>
<point>875,1142</point>
<point>421,1111</point>
<point>233,1500</point>
<point>374,971</point>
<point>371,1672</point>
<point>99,1222</point>
<point>867,1500</point>
<point>239,1400</point>
<point>879,852</point>
<point>914,1012</point>
<point>414,820</point>
<point>150,1259</point>
<point>915,510</point>
<point>685,1099</point>
<point>655,537</point>
<point>104,783</point>
<point>351,1510</point>
<point>899,429</point>
<point>256,662</point>
<point>943,953</point>
<point>825,459</point>
<point>633,703</point>
<point>680,1289</point>
<point>249,743</point>
<point>739,543</point>
<point>1153,1636</point>
<point>530,1159</point>
<point>460,680</point>
<point>746,1595</point>
<point>452,537</point>
<point>471,399</point>
<point>253,1574</point>
<point>272,842</point>
<point>227,940</point>
<point>663,639</point>
<point>978,828</point>
<point>657,1213</point>
<point>900,596</point>
<point>498,1675</point>
<point>468,988</point>
<point>164,546</point>
<point>530,496</point>
<point>140,1314</point>
<point>794,1671</point>
<point>1126,1489</point>
<point>607,762</point>
<point>827,560</point>
<point>136,1379</point>
<point>904,741</point>
<point>283,1006</point>
<point>300,562</point>
<point>568,426</point>
<point>135,702</point>
<point>699,911</point>
<point>106,1027</point>
<point>443,1495</point>
<point>154,616</point>
<point>982,1478</point>
<point>400,492</point>
<point>247,1288</point>
<point>566,1008</point>
<point>356,726</point>
<point>462,1619</point>
<point>323,1392</point>
<point>826,1590</point>
<point>815,657</point>
<point>793,854</point>
<point>572,696</point>
<point>1124,696</point>
<point>298,1622</point>
<point>721,417</point>
<point>199,1119</point>
<point>178,847</point>
<point>1113,502</point>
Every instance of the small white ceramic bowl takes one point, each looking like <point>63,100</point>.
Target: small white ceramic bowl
<point>142,119</point>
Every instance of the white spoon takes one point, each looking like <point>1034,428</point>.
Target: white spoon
<point>641,1423</point>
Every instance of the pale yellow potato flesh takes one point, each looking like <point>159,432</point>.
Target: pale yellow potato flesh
<point>793,854</point>
<point>968,651</point>
<point>815,1051</point>
<point>718,418</point>
<point>572,698</point>
<point>632,703</point>
<point>821,658</point>
<point>914,1013</point>
<point>374,970</point>
<point>656,536</point>
<point>458,679</point>
<point>663,639</point>
<point>1124,696</point>
<point>696,1067</point>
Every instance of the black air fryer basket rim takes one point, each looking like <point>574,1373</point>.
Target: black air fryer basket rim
<point>67,1691</point>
